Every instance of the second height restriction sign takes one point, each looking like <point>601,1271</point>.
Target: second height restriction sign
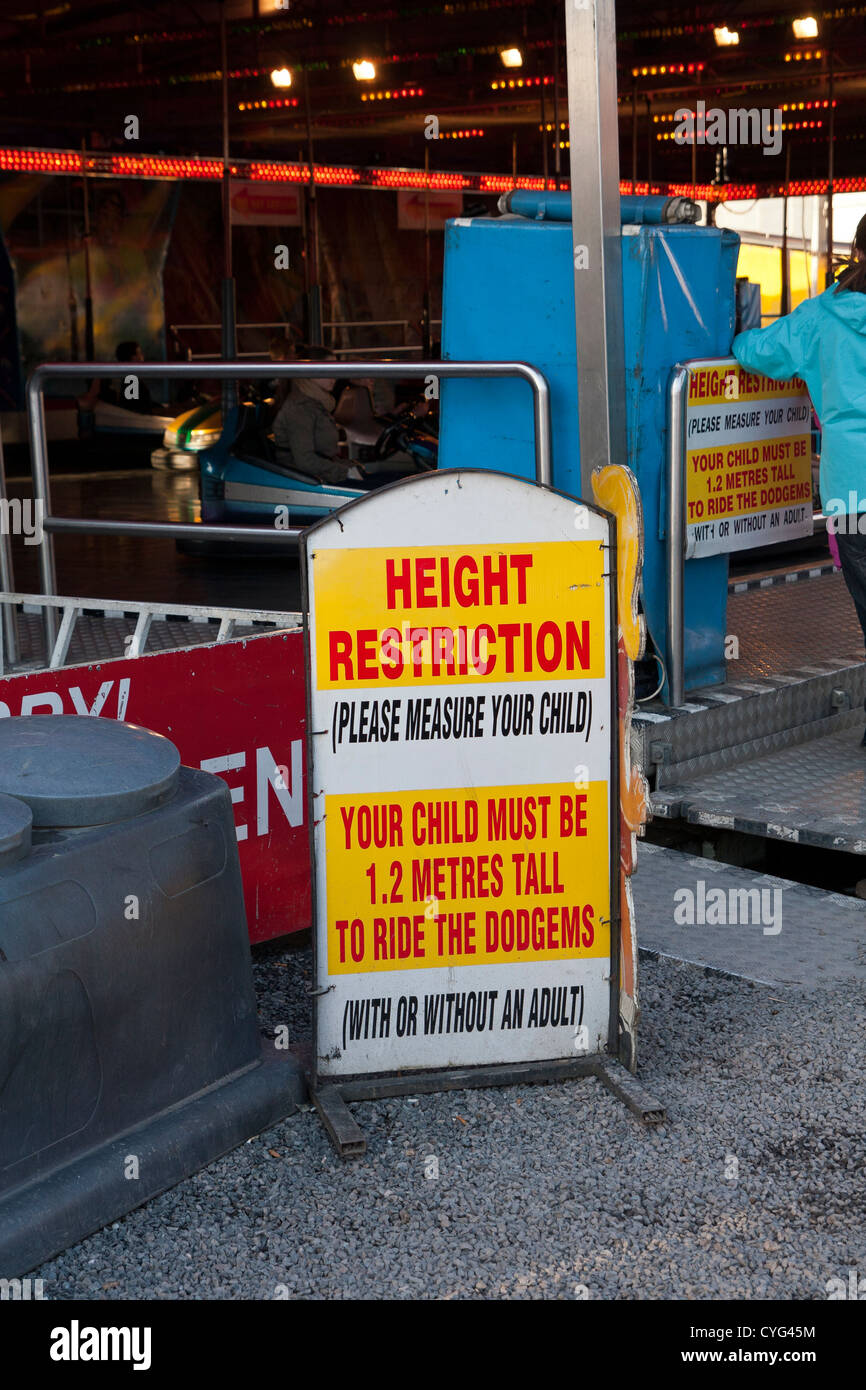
<point>464,808</point>
<point>748,459</point>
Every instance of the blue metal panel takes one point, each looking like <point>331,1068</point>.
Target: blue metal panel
<point>508,294</point>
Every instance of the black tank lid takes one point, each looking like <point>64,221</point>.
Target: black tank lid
<point>76,770</point>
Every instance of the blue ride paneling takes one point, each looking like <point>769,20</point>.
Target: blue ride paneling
<point>508,293</point>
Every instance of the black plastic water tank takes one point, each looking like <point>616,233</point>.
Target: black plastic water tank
<point>127,1015</point>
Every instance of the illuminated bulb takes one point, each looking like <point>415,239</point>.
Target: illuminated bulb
<point>364,70</point>
<point>805,28</point>
<point>725,37</point>
<point>281,77</point>
<point>511,58</point>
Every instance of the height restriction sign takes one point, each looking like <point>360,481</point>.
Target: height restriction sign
<point>464,809</point>
<point>748,459</point>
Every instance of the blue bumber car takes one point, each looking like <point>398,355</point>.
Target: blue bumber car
<point>242,480</point>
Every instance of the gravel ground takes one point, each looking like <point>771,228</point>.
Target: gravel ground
<point>754,1188</point>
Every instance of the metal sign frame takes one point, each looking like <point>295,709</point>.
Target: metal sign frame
<point>331,1093</point>
<point>675,530</point>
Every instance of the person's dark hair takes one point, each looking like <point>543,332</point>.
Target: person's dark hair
<point>125,351</point>
<point>308,352</point>
<point>854,276</point>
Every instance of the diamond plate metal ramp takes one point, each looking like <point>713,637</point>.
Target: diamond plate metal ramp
<point>778,625</point>
<point>783,934</point>
<point>774,752</point>
<point>812,794</point>
<point>799,671</point>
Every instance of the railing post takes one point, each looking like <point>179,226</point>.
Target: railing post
<point>7,578</point>
<point>42,494</point>
<point>676,531</point>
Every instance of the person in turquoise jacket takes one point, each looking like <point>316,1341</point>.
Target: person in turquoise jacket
<point>824,343</point>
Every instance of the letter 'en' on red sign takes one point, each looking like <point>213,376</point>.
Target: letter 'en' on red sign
<point>464,793</point>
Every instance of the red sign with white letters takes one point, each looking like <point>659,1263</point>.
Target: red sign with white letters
<point>236,709</point>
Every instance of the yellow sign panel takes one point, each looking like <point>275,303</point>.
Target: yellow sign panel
<point>738,479</point>
<point>427,615</point>
<point>492,875</point>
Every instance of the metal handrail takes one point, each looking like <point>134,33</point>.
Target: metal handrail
<point>65,371</point>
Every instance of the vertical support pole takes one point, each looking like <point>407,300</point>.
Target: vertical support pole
<point>590,40</point>
<point>314,325</point>
<point>633,135</point>
<point>228,306</point>
<point>557,152</point>
<point>89,349</point>
<point>426,335</point>
<point>678,388</point>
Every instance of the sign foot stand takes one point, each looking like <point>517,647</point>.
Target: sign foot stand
<point>341,1127</point>
<point>331,1099</point>
<point>629,1090</point>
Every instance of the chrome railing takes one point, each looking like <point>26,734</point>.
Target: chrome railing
<point>66,371</point>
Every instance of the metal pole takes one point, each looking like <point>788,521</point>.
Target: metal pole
<point>590,39</point>
<point>89,349</point>
<point>228,305</point>
<point>545,158</point>
<point>426,335</point>
<point>226,184</point>
<point>633,134</point>
<point>557,153</point>
<point>7,578</point>
<point>678,387</point>
<point>315,301</point>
